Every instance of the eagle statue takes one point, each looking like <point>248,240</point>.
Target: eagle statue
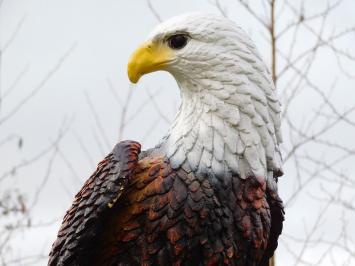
<point>207,193</point>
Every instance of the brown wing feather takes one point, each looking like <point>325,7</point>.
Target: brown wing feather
<point>277,217</point>
<point>176,217</point>
<point>85,220</point>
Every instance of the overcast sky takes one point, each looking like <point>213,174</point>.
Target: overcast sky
<point>87,43</point>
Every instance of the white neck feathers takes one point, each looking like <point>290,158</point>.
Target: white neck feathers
<point>224,129</point>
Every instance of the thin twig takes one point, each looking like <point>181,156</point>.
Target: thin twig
<point>41,84</point>
<point>154,12</point>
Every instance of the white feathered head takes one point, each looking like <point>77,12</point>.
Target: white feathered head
<point>228,121</point>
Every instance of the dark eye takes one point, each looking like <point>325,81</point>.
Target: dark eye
<point>177,41</point>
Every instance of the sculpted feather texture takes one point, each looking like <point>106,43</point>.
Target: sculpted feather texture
<point>229,119</point>
<point>207,194</point>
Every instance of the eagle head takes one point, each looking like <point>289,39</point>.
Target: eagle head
<point>191,47</point>
<point>228,121</point>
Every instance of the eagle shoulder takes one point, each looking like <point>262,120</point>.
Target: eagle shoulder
<point>85,220</point>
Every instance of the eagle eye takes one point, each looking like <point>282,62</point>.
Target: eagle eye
<point>177,41</point>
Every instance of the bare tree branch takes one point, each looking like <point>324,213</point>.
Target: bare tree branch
<point>41,84</point>
<point>154,12</point>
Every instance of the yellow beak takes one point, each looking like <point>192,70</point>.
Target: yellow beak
<point>149,57</point>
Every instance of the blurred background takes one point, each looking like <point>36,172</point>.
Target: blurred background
<point>65,100</point>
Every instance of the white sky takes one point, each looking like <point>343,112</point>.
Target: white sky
<point>103,34</point>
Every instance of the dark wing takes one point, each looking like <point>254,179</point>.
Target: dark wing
<point>84,222</point>
<point>277,217</point>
